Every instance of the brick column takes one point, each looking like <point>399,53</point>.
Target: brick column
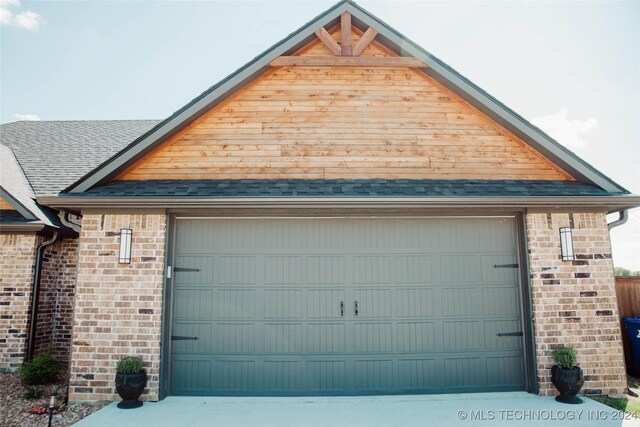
<point>55,307</point>
<point>574,302</point>
<point>118,306</point>
<point>17,259</point>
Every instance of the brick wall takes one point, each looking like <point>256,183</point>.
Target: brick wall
<point>118,306</point>
<point>55,306</point>
<point>17,258</point>
<point>574,302</point>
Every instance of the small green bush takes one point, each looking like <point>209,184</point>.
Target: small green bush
<point>129,365</point>
<point>42,369</point>
<point>565,357</point>
<point>33,393</point>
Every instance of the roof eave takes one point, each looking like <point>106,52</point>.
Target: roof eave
<point>13,201</point>
<point>606,203</point>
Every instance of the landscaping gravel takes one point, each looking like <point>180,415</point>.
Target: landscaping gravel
<point>14,410</point>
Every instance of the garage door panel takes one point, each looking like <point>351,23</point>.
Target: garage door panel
<point>283,303</point>
<point>194,269</point>
<point>234,270</point>
<point>327,375</point>
<point>505,370</point>
<point>374,374</point>
<point>372,337</point>
<point>231,303</point>
<point>283,338</point>
<point>326,270</point>
<point>499,268</point>
<point>283,270</point>
<point>415,302</point>
<point>460,269</point>
<point>497,235</point>
<point>239,338</point>
<point>326,338</point>
<point>373,303</point>
<point>463,335</point>
<point>460,301</point>
<point>460,236</point>
<point>193,303</point>
<point>283,375</point>
<point>202,331</point>
<point>191,375</point>
<point>415,269</point>
<point>461,372</point>
<point>494,327</point>
<point>264,297</point>
<point>326,304</point>
<point>417,337</point>
<point>371,269</point>
<point>234,375</point>
<point>500,301</point>
<point>418,374</point>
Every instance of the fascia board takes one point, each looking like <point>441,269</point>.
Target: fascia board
<point>17,205</point>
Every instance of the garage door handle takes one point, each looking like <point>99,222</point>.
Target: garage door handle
<point>341,308</point>
<point>509,334</point>
<point>355,307</point>
<point>179,338</point>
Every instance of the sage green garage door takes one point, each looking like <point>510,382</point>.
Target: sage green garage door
<point>345,306</point>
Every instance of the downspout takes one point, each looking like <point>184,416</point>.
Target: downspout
<point>64,219</point>
<point>624,216</point>
<point>33,319</point>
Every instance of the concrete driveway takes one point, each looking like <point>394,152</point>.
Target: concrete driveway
<point>490,409</point>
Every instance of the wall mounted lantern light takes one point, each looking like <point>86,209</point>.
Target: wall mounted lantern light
<point>125,246</point>
<point>566,244</point>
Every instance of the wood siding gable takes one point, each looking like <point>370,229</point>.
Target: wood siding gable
<point>304,122</point>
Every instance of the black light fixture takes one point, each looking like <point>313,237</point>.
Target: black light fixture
<point>566,244</point>
<point>125,246</point>
<point>52,406</point>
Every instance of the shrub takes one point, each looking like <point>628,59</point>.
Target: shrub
<point>565,357</point>
<point>42,369</point>
<point>33,393</point>
<point>129,365</point>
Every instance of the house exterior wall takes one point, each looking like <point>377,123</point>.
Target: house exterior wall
<point>55,305</point>
<point>17,258</point>
<point>575,303</point>
<point>117,306</point>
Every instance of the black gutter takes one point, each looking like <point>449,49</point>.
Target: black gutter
<point>33,318</point>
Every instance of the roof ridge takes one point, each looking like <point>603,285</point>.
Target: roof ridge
<point>82,121</point>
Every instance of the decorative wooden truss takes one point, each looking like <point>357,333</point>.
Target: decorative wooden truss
<point>345,54</point>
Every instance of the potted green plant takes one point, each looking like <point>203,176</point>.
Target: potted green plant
<point>131,380</point>
<point>566,376</point>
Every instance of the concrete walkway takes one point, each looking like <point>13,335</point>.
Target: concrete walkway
<point>490,409</point>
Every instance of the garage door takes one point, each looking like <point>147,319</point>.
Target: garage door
<point>345,306</point>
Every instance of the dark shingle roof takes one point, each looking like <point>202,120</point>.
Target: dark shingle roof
<point>12,217</point>
<point>55,154</point>
<point>341,187</point>
<point>19,192</point>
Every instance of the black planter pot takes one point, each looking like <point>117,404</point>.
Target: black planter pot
<point>568,382</point>
<point>130,387</point>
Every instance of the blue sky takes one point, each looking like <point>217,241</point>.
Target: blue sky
<point>573,68</point>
